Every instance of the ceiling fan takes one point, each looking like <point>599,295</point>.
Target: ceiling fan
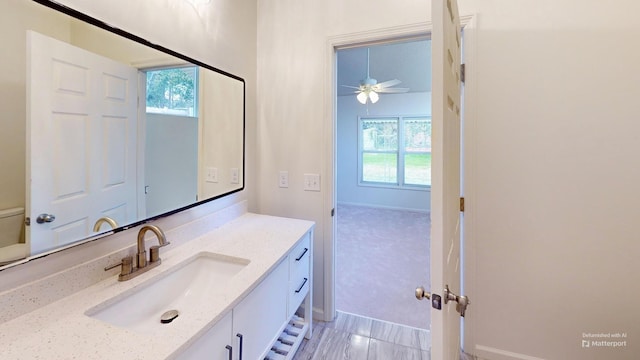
<point>370,88</point>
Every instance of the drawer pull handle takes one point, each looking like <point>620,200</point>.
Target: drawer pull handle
<point>302,255</point>
<point>230,350</point>
<point>240,352</point>
<point>301,286</point>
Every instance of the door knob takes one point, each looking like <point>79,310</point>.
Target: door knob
<point>461,301</point>
<point>45,218</point>
<point>421,293</point>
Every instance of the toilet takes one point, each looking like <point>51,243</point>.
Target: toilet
<point>11,225</point>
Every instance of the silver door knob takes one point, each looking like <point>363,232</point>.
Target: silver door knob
<point>421,293</point>
<point>45,218</point>
<point>461,301</point>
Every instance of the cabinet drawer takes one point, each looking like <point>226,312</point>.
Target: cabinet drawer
<point>297,292</point>
<point>299,259</point>
<point>299,273</point>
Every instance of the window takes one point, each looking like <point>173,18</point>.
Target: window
<point>395,151</point>
<point>173,91</point>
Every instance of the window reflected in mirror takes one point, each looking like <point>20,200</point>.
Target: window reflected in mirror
<point>173,91</point>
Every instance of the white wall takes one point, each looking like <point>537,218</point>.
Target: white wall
<point>292,48</point>
<point>554,169</point>
<point>348,110</point>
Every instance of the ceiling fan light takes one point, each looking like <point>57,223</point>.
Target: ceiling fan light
<point>374,97</point>
<point>368,81</point>
<point>362,97</point>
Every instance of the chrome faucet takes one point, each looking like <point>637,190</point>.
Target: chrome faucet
<point>102,220</point>
<point>128,271</point>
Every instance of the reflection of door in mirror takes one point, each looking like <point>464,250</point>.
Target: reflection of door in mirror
<point>81,144</point>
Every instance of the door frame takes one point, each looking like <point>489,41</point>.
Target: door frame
<point>377,36</point>
<point>468,154</point>
<point>334,43</point>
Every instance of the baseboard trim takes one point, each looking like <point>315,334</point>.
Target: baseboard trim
<point>374,206</point>
<point>318,314</point>
<point>498,354</point>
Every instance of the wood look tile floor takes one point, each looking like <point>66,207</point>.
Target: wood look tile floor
<point>352,337</point>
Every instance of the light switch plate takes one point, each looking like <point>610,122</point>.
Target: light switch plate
<point>235,176</point>
<point>311,182</point>
<point>212,175</point>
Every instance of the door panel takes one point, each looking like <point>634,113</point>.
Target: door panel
<point>69,150</point>
<point>445,191</point>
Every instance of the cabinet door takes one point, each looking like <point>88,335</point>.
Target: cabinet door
<point>212,345</point>
<point>259,318</point>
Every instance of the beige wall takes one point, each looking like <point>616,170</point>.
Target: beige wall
<point>220,128</point>
<point>292,50</point>
<point>14,22</point>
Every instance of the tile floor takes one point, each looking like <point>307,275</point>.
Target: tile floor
<point>359,338</point>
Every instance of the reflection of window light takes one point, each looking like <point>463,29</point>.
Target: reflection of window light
<point>173,91</point>
<point>199,2</point>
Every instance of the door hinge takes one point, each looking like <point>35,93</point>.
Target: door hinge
<point>462,72</point>
<point>333,212</point>
<point>461,204</point>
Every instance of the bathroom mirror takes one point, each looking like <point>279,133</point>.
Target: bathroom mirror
<point>101,130</point>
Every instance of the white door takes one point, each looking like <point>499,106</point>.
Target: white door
<point>81,153</point>
<point>445,190</point>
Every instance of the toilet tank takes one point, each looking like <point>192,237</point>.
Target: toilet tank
<point>11,225</point>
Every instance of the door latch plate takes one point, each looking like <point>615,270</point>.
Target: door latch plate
<point>436,301</point>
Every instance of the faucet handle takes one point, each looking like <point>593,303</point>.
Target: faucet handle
<point>127,266</point>
<point>154,255</point>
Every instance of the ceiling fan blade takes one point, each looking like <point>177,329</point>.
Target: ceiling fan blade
<point>351,87</point>
<point>393,90</point>
<point>389,83</point>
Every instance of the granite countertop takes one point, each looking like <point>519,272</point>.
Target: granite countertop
<point>61,330</point>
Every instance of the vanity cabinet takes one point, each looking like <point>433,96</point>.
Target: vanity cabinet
<point>251,327</point>
<point>259,317</point>
<point>214,344</point>
<point>266,318</point>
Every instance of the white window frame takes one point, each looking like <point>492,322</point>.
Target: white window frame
<point>400,153</point>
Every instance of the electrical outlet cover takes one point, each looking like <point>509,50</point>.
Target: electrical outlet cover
<point>283,179</point>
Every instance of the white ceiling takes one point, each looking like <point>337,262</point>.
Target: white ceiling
<point>409,62</point>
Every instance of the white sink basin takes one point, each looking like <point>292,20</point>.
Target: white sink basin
<point>185,288</point>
